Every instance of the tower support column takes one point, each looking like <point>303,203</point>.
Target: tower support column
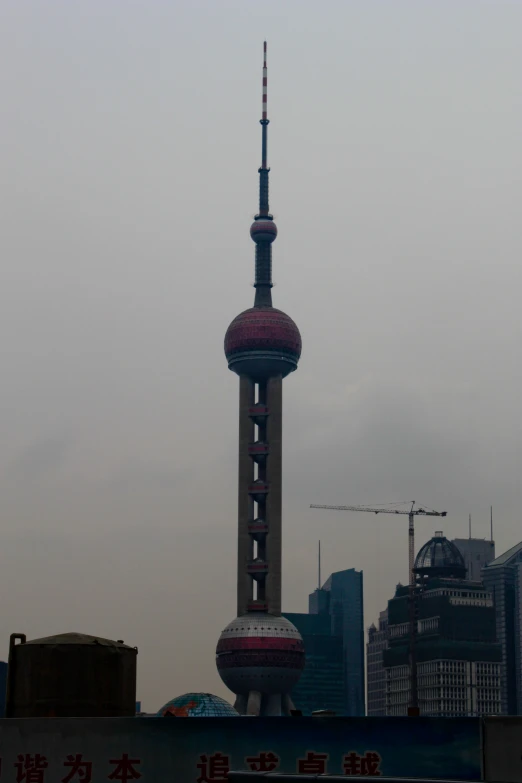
<point>245,505</point>
<point>274,431</point>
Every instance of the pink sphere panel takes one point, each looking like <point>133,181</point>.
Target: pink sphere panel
<point>263,328</point>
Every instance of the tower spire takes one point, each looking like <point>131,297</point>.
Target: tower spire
<point>263,171</point>
<point>264,119</point>
<point>263,230</point>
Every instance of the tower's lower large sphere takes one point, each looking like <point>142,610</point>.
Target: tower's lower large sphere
<point>260,652</point>
<point>262,342</point>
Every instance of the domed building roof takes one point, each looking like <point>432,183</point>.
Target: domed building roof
<point>262,341</point>
<point>197,705</point>
<point>440,557</point>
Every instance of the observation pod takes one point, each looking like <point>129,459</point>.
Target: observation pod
<point>263,229</point>
<point>71,675</point>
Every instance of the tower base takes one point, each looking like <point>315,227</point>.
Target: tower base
<point>264,704</point>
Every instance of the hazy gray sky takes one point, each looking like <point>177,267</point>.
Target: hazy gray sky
<point>129,179</point>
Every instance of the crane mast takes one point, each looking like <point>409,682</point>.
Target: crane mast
<point>411,513</point>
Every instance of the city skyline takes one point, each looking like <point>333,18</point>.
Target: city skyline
<point>129,179</point>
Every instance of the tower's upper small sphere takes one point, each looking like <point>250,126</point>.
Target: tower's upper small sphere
<point>260,652</point>
<point>263,229</point>
<point>262,342</point>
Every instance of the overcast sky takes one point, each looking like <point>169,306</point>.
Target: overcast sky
<point>130,151</point>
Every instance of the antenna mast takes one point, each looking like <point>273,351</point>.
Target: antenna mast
<point>263,171</point>
<point>263,230</point>
<point>319,568</point>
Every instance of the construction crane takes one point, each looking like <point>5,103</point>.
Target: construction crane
<point>411,514</point>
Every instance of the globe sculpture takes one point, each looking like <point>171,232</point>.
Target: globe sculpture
<point>197,705</point>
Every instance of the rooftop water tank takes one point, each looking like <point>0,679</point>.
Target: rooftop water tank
<point>70,675</point>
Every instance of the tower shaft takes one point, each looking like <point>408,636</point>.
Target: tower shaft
<point>263,284</point>
<point>260,495</point>
<point>274,474</point>
<point>244,501</point>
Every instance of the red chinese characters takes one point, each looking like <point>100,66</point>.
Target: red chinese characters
<point>313,764</point>
<point>125,769</point>
<point>213,768</point>
<point>367,765</point>
<point>79,769</point>
<point>265,762</point>
<point>30,768</point>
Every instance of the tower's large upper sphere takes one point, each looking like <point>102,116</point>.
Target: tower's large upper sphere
<point>260,652</point>
<point>262,342</point>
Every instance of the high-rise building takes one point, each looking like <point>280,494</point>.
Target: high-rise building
<point>260,654</point>
<point>457,654</point>
<point>333,633</point>
<point>345,606</point>
<point>503,579</point>
<point>3,687</point>
<point>477,553</point>
<point>319,601</point>
<point>341,598</point>
<point>375,671</point>
<point>320,685</point>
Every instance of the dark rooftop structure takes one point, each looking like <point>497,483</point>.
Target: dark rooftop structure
<point>456,648</point>
<point>440,557</point>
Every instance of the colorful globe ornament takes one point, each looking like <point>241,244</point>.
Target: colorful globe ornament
<point>197,705</point>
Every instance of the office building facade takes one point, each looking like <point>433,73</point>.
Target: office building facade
<point>477,553</point>
<point>503,579</point>
<point>458,657</point>
<point>341,597</point>
<point>375,671</point>
<point>320,685</point>
<point>333,634</point>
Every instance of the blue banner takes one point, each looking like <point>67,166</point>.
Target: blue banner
<point>202,750</point>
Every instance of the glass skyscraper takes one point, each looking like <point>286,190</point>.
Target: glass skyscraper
<point>333,634</point>
<point>319,686</point>
<point>375,671</point>
<point>503,579</point>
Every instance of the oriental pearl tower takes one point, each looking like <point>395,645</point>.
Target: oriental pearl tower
<point>260,654</point>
